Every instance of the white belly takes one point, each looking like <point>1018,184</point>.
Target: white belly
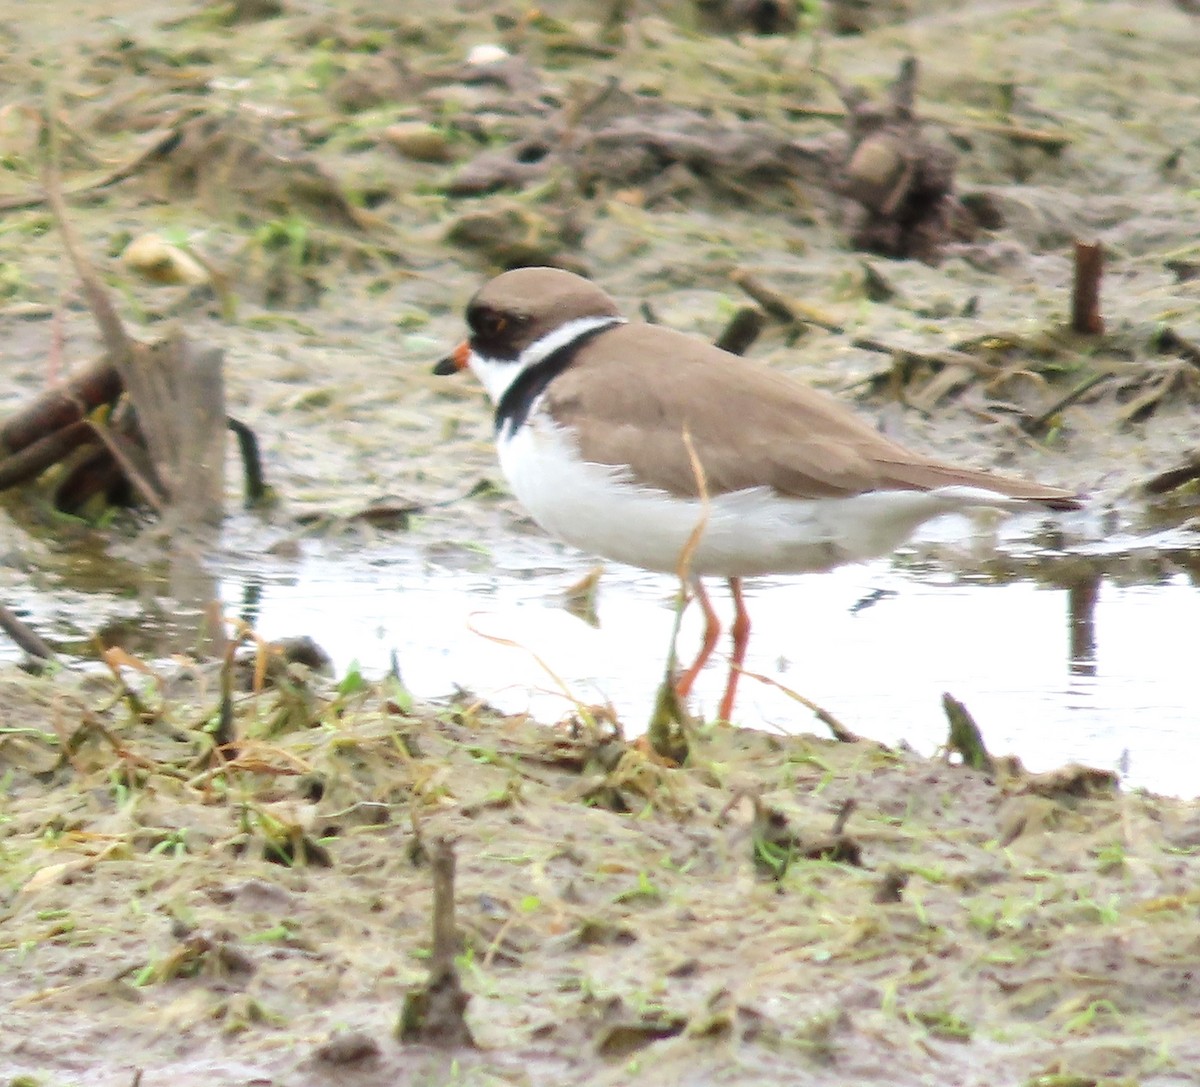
<point>599,509</point>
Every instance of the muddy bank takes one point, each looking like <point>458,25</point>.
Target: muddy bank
<point>789,909</point>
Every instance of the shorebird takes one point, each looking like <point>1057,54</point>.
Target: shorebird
<point>635,442</point>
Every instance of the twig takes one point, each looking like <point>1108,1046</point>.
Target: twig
<point>1086,318</point>
<point>133,464</point>
<point>742,330</point>
<point>165,143</point>
<point>1038,424</point>
<point>667,730</point>
<point>1175,477</point>
<point>839,731</point>
<point>34,459</point>
<point>252,466</point>
<point>25,637</point>
<point>1169,341</point>
<point>434,1014</point>
<point>766,296</point>
<point>783,309</point>
<point>224,746</point>
<point>445,934</point>
<point>947,357</point>
<point>118,343</point>
<point>891,886</point>
<point>770,299</point>
<point>116,340</point>
<point>1050,139</point>
<point>65,403</point>
<point>843,816</point>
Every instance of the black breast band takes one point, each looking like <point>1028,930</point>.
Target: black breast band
<point>513,407</point>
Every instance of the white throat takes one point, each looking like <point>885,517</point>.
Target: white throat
<point>496,375</point>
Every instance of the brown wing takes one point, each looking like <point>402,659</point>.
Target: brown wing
<point>750,426</point>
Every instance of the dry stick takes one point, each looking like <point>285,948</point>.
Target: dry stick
<point>1049,138</point>
<point>742,330</point>
<point>166,140</point>
<point>25,637</point>
<point>903,91</point>
<point>35,458</point>
<point>1170,341</point>
<point>843,816</point>
<point>133,464</point>
<point>252,466</point>
<point>839,731</point>
<point>1085,297</point>
<point>117,342</point>
<point>58,407</point>
<point>770,299</point>
<point>177,390</point>
<point>115,658</point>
<point>665,731</point>
<point>783,309</point>
<point>224,747</point>
<point>1175,477</point>
<point>434,1015</point>
<point>508,643</point>
<point>1038,424</point>
<point>941,357</point>
<point>891,886</point>
<point>445,934</point>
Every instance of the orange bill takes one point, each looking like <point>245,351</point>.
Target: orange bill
<point>455,361</point>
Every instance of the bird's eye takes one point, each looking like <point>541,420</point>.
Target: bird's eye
<point>487,323</point>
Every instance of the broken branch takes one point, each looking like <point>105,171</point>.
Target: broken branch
<point>1086,318</point>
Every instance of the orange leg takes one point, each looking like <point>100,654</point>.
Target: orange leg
<point>712,631</point>
<point>740,632</point>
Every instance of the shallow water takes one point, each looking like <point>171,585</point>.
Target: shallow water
<point>1092,662</point>
<point>1101,675</point>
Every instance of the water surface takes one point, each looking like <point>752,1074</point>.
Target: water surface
<point>1101,673</point>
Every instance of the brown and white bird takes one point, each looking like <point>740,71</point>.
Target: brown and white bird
<point>621,438</point>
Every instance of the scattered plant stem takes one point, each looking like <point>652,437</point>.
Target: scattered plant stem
<point>25,636</point>
<point>1086,318</point>
<point>433,1015</point>
<point>965,736</point>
